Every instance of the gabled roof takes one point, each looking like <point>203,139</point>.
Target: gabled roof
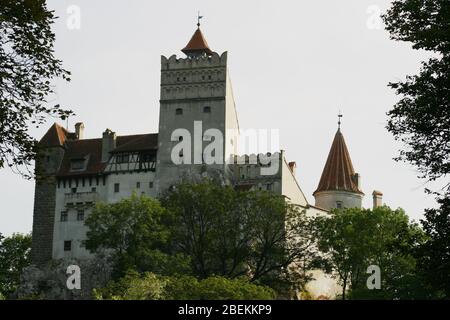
<point>338,173</point>
<point>197,44</point>
<point>139,143</point>
<point>91,149</point>
<point>56,136</point>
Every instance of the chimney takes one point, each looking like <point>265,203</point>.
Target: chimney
<point>377,199</point>
<point>357,180</point>
<point>293,167</point>
<point>79,130</point>
<point>108,144</point>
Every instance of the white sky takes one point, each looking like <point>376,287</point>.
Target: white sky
<point>294,65</point>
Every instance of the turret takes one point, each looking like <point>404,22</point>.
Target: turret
<point>340,185</point>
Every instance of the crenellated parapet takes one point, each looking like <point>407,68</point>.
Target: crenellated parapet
<point>193,77</point>
<point>212,61</point>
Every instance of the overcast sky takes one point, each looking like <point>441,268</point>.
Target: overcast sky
<point>293,64</point>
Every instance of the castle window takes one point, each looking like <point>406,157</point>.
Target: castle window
<point>138,185</point>
<point>116,187</point>
<point>67,245</point>
<point>80,214</point>
<point>184,78</point>
<point>63,216</point>
<point>94,189</point>
<point>77,164</point>
<point>150,184</point>
<point>122,158</point>
<point>179,111</point>
<point>269,186</point>
<point>74,190</point>
<point>207,109</point>
<point>209,77</point>
<point>339,204</point>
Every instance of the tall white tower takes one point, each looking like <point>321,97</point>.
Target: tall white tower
<point>339,185</point>
<point>196,97</point>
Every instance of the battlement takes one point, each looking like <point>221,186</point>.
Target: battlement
<point>212,61</point>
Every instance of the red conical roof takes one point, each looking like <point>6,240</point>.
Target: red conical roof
<point>338,173</point>
<point>197,44</point>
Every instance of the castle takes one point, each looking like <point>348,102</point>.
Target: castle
<point>196,104</point>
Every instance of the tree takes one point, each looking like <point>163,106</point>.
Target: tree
<point>421,119</point>
<point>233,234</point>
<point>133,232</point>
<point>14,257</point>
<point>27,68</point>
<point>150,286</point>
<point>351,240</point>
<point>434,255</point>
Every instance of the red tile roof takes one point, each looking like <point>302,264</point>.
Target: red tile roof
<point>338,173</point>
<point>197,44</point>
<point>92,148</point>
<point>140,143</point>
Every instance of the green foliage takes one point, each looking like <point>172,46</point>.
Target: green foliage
<point>149,286</point>
<point>206,230</point>
<point>353,239</point>
<point>27,67</point>
<point>421,119</point>
<point>134,232</point>
<point>14,257</point>
<point>232,234</point>
<point>434,255</point>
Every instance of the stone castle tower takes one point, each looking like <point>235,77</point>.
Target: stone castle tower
<point>339,185</point>
<point>47,166</point>
<point>196,103</point>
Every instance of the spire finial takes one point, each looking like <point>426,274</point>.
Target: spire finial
<point>198,19</point>
<point>339,119</point>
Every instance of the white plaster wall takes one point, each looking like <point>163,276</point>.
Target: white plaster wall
<point>290,188</point>
<point>328,199</point>
<point>74,230</point>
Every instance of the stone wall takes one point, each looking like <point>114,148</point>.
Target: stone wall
<point>44,204</point>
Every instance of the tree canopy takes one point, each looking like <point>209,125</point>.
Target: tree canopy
<point>351,240</point>
<point>205,230</point>
<point>421,119</point>
<point>27,68</point>
<point>14,257</point>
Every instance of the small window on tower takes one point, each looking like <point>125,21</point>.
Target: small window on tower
<point>67,245</point>
<point>80,215</point>
<point>64,216</point>
<point>116,187</point>
<point>207,109</point>
<point>179,111</point>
